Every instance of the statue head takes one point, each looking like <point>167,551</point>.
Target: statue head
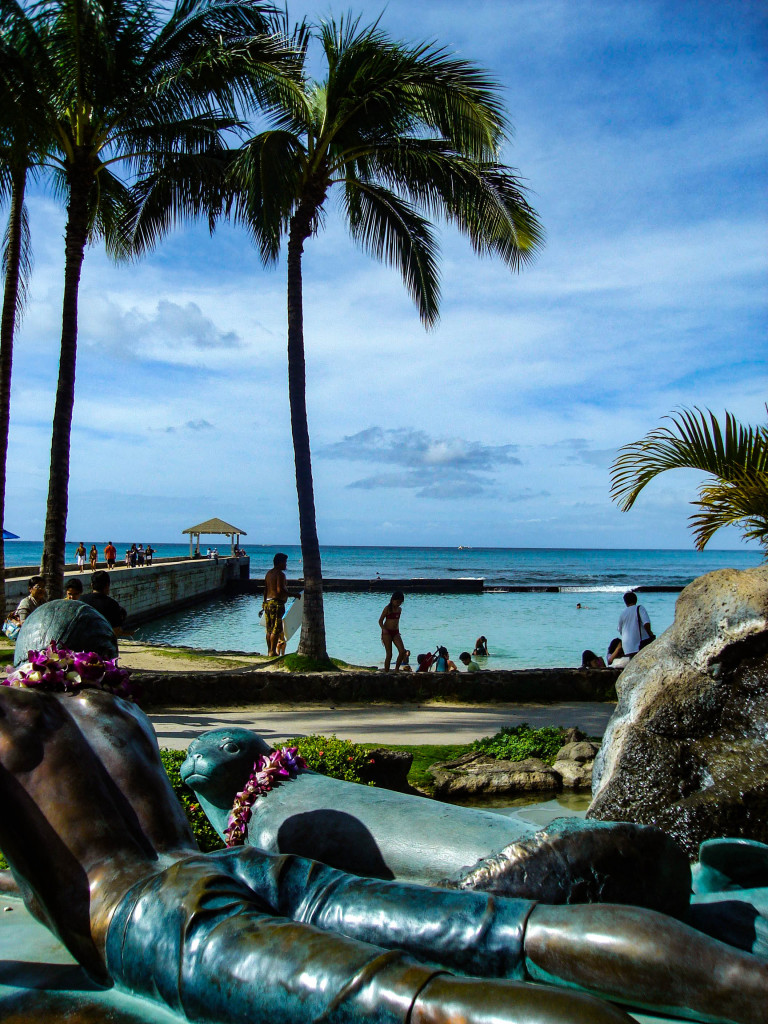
<point>219,762</point>
<point>69,624</point>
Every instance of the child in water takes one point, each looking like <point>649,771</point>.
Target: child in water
<point>389,622</point>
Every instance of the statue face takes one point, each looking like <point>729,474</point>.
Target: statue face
<point>219,762</point>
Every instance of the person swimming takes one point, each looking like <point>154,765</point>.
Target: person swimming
<point>481,647</point>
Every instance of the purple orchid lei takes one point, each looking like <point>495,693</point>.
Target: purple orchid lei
<point>267,773</point>
<point>60,670</point>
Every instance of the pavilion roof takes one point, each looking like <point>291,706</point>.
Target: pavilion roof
<point>215,526</point>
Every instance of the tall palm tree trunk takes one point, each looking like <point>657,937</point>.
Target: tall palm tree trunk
<point>7,328</point>
<point>54,539</point>
<point>312,640</point>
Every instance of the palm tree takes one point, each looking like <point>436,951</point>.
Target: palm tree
<point>404,132</point>
<point>127,89</point>
<point>736,456</point>
<point>24,138</point>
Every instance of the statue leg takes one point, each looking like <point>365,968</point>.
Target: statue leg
<point>647,959</point>
<point>198,940</point>
<point>629,954</point>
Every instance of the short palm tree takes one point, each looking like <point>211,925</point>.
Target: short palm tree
<point>736,456</point>
<point>128,88</point>
<point>400,133</point>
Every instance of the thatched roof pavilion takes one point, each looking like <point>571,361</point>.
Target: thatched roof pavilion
<point>216,527</point>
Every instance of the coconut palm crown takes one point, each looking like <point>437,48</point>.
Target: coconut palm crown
<point>129,85</point>
<point>400,134</point>
<point>736,456</point>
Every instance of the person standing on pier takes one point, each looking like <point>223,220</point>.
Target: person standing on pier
<point>110,555</point>
<point>275,596</point>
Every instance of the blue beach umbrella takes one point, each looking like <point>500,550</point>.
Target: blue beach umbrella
<point>7,535</point>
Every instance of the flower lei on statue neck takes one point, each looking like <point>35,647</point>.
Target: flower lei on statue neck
<point>267,773</point>
<point>59,670</point>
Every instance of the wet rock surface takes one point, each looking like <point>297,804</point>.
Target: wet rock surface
<point>687,747</point>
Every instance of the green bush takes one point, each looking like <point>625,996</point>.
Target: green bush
<point>328,755</point>
<point>205,834</point>
<point>517,742</point>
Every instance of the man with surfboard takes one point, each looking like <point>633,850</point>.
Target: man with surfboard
<point>275,596</point>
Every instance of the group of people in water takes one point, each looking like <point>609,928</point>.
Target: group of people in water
<point>438,661</point>
<point>634,629</point>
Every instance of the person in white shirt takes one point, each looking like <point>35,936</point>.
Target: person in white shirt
<point>634,625</point>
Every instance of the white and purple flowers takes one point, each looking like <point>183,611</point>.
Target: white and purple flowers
<point>267,773</point>
<point>60,670</point>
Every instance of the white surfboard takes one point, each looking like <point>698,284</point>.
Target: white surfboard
<point>292,618</point>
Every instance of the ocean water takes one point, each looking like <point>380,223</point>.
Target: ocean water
<point>523,629</point>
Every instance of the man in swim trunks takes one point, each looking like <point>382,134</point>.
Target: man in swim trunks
<point>104,857</point>
<point>275,596</point>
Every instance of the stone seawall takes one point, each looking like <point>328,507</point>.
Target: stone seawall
<point>152,590</point>
<point>253,686</point>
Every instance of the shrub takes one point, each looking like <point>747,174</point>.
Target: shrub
<point>517,742</point>
<point>328,755</point>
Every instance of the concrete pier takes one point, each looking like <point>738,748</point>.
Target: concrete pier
<point>149,591</point>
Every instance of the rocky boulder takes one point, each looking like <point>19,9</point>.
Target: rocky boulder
<point>476,774</point>
<point>686,747</point>
<point>574,774</point>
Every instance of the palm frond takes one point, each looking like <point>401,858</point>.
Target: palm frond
<point>392,230</point>
<point>185,188</point>
<point>111,202</point>
<point>735,455</point>
<point>741,502</point>
<point>25,261</point>
<point>266,178</point>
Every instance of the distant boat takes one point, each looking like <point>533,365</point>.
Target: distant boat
<point>464,547</point>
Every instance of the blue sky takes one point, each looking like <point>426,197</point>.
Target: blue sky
<point>640,129</point>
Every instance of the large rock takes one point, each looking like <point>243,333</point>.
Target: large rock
<point>574,774</point>
<point>475,773</point>
<point>686,747</point>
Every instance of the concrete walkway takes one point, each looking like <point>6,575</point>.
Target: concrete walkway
<point>403,723</point>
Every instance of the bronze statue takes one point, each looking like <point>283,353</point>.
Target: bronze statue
<point>376,832</point>
<point>104,857</point>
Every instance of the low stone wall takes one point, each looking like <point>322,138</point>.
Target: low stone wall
<point>251,686</point>
<point>151,590</point>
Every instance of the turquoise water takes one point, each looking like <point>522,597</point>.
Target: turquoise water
<point>523,629</point>
<point>582,569</point>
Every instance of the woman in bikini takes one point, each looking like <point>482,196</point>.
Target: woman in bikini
<point>389,621</point>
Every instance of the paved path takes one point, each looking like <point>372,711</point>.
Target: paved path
<point>402,723</point>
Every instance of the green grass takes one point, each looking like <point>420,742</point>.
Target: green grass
<point>303,663</point>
